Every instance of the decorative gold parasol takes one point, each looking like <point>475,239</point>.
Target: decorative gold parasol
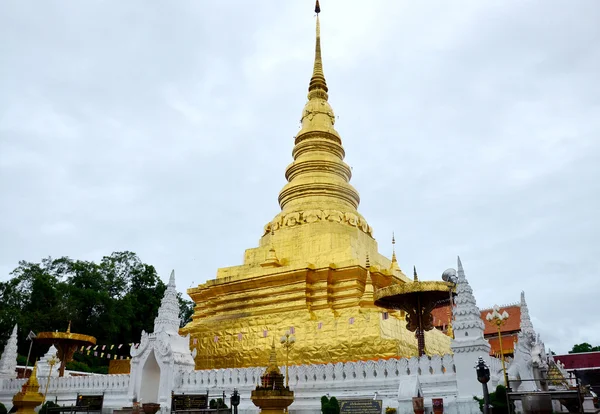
<point>66,343</point>
<point>417,299</point>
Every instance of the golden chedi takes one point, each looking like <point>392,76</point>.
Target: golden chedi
<point>29,397</point>
<point>271,396</point>
<point>309,274</point>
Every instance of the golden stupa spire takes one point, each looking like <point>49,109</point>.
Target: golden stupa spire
<point>318,187</point>
<point>317,81</point>
<point>416,277</point>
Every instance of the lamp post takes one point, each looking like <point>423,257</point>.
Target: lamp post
<point>52,361</point>
<point>235,400</point>
<point>450,276</point>
<point>483,376</point>
<point>499,319</point>
<point>287,341</point>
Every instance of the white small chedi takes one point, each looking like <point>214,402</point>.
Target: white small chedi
<point>8,361</point>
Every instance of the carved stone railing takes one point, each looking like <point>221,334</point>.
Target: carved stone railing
<point>98,383</point>
<point>307,375</point>
<point>12,384</point>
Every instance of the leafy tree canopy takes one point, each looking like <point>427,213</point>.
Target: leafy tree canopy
<point>584,347</point>
<point>113,300</point>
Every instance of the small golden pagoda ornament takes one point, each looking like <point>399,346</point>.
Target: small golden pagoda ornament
<point>272,396</point>
<point>29,397</point>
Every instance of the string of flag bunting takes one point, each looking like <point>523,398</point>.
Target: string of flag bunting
<point>110,351</point>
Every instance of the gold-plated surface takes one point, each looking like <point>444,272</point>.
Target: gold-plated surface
<point>69,336</point>
<point>29,397</point>
<point>438,290</point>
<point>308,274</point>
<point>119,366</point>
<point>234,321</point>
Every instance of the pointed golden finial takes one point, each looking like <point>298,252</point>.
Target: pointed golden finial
<point>367,298</point>
<point>33,380</point>
<point>69,327</point>
<point>318,86</point>
<point>273,355</point>
<point>415,273</point>
<point>271,259</point>
<point>394,266</point>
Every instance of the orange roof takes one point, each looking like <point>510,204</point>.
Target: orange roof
<point>509,329</point>
<point>512,324</point>
<point>440,316</point>
<point>508,344</point>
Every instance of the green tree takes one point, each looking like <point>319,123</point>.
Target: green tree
<point>113,300</point>
<point>186,310</point>
<point>584,347</point>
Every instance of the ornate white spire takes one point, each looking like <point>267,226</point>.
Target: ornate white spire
<point>526,325</point>
<point>168,313</point>
<point>8,361</point>
<point>466,312</point>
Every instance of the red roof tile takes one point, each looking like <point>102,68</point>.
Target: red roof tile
<point>580,361</point>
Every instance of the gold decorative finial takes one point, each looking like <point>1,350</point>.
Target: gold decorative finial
<point>273,355</point>
<point>394,266</point>
<point>367,299</point>
<point>318,86</point>
<point>69,327</point>
<point>33,380</point>
<point>415,273</point>
<point>271,260</point>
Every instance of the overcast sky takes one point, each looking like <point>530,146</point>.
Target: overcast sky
<point>164,128</point>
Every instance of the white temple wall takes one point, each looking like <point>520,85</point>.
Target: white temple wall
<point>362,379</point>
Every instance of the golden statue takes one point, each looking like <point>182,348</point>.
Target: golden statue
<point>309,274</point>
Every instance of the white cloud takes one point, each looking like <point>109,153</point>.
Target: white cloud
<point>471,129</point>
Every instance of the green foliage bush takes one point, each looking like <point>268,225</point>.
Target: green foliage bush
<point>3,409</point>
<point>47,405</point>
<point>497,400</point>
<point>217,404</point>
<point>330,405</point>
